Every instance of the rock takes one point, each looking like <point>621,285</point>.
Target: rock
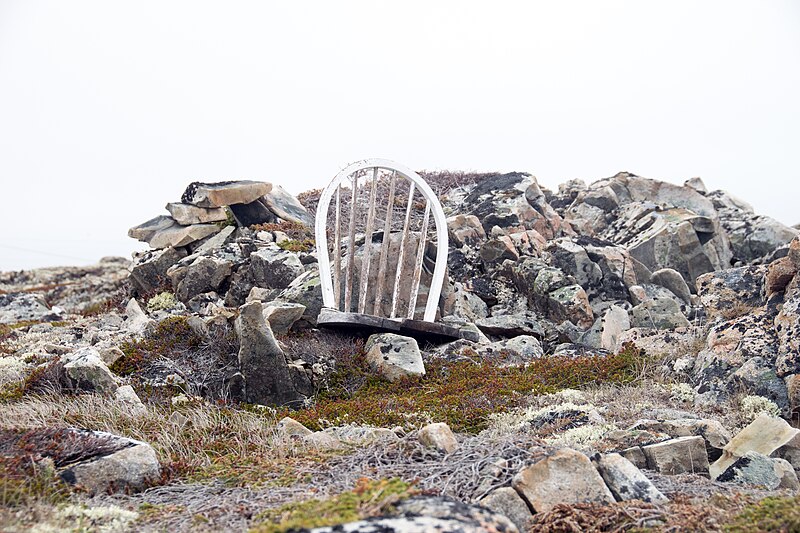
<point>126,396</point>
<point>565,477</point>
<point>678,456</point>
<point>287,207</point>
<point>715,435</point>
<point>136,320</point>
<point>661,313</point>
<point>696,184</point>
<point>439,436</point>
<point>625,480</point>
<point>507,502</point>
<point>361,435</point>
<point>672,280</point>
<point>204,274</point>
<point>187,214</point>
<point>261,361</point>
<point>306,290</point>
<point>510,326</point>
<point>779,274</point>
<point>131,468</point>
<point>147,230</point>
<point>498,249</point>
<point>224,193</point>
<point>20,307</point>
<point>518,351</point>
<point>281,316</point>
<point>289,427</point>
<point>465,230</point>
<point>274,268</point>
<point>763,435</point>
<point>429,514</point>
<point>177,236</point>
<point>751,236</point>
<point>86,370</point>
<point>754,468</point>
<point>606,332</point>
<point>394,356</point>
<point>513,200</point>
<point>732,292</point>
<point>571,303</point>
<point>323,441</point>
<point>149,270</point>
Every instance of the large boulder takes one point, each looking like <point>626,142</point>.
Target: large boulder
<point>274,268</point>
<point>286,206</point>
<point>262,364</point>
<point>149,268</point>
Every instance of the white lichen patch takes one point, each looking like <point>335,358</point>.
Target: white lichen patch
<point>103,519</point>
<point>521,419</point>
<point>682,392</point>
<point>752,406</point>
<point>583,436</point>
<point>12,370</point>
<point>570,396</point>
<point>163,301</point>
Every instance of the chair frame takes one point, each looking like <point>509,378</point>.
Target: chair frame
<point>331,282</point>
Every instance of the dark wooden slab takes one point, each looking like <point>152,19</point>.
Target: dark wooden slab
<point>369,324</point>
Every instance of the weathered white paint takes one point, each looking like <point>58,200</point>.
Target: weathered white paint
<point>320,225</point>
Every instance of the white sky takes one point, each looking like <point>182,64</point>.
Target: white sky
<point>108,109</point>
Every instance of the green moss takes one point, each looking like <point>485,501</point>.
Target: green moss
<point>171,334</point>
<point>368,498</point>
<point>461,394</point>
<point>297,246</point>
<point>769,514</point>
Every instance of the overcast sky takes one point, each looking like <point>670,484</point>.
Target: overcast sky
<point>108,109</point>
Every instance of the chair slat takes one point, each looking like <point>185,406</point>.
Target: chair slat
<point>351,247</point>
<point>367,258</point>
<point>412,300</point>
<point>399,273</point>
<point>337,250</point>
<point>387,230</point>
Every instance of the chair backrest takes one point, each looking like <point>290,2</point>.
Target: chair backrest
<point>356,191</point>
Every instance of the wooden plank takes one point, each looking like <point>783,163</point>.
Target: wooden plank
<point>399,272</point>
<point>351,245</point>
<point>423,239</point>
<point>367,257</point>
<point>337,247</point>
<point>387,232</point>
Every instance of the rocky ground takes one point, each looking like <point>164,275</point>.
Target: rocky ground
<point>628,361</point>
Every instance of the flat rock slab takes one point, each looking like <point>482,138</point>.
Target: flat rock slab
<point>567,476</point>
<point>188,214</point>
<point>224,193</point>
<point>176,236</point>
<point>764,435</point>
<point>146,230</point>
<point>286,206</point>
<point>678,456</point>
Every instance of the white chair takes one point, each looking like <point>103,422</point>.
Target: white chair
<point>379,199</point>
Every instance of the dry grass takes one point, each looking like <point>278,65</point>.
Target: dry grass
<point>202,442</point>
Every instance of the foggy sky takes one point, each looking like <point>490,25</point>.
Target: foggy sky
<point>108,109</point>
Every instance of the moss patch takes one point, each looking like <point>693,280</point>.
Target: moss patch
<point>769,514</point>
<point>461,394</point>
<point>369,498</point>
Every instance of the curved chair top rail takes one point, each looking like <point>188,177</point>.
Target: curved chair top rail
<point>331,284</point>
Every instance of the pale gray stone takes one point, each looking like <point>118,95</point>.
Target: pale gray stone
<point>510,504</point>
<point>224,193</point>
<point>282,315</point>
<point>439,436</point>
<point>287,207</point>
<point>86,370</point>
<point>394,356</point>
<point>678,456</point>
<point>625,480</point>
